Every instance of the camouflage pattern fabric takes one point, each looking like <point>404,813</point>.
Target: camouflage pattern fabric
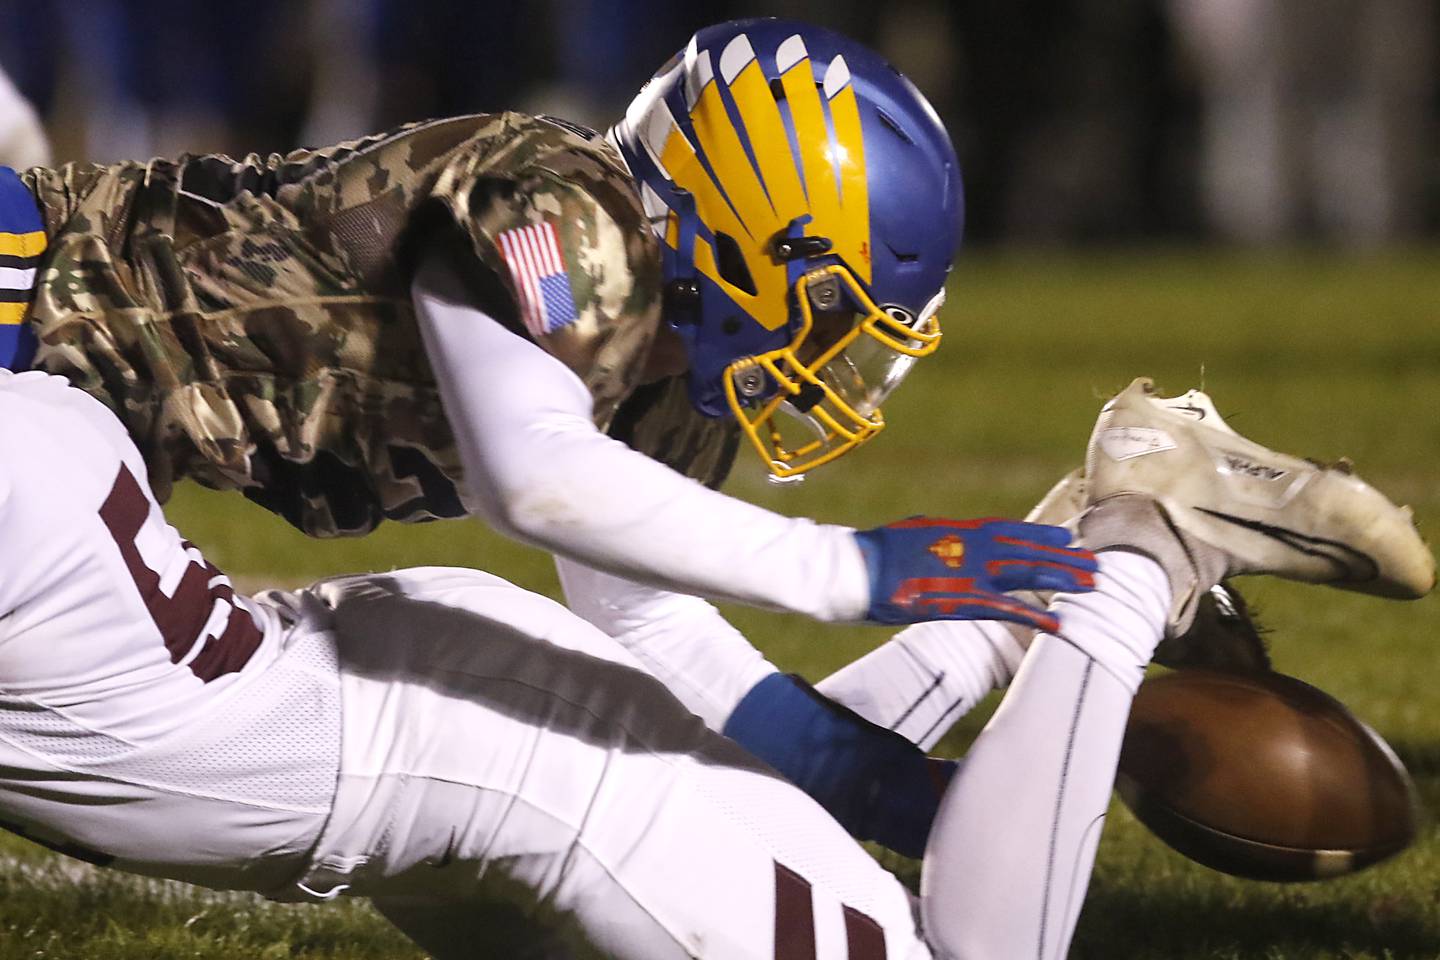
<point>658,419</point>
<point>250,322</point>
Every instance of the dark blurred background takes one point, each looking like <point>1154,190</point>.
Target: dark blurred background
<point>1256,122</point>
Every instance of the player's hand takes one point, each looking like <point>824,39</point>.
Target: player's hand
<point>929,569</point>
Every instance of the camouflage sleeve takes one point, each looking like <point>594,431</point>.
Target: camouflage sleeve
<point>575,194</point>
<point>658,420</point>
<point>549,172</point>
<point>102,197</point>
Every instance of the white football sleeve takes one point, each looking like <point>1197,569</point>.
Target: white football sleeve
<point>537,469</point>
<point>927,677</point>
<point>919,683</point>
<point>682,640</point>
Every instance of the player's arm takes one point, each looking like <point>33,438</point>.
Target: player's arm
<point>538,470</point>
<point>525,376</point>
<point>919,684</point>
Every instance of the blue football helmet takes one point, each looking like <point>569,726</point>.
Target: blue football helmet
<point>809,205</point>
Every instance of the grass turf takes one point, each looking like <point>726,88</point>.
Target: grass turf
<point>1310,353</point>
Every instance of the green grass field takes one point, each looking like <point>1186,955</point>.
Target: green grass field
<point>1315,354</point>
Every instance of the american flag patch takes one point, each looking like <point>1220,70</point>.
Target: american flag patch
<point>541,282</point>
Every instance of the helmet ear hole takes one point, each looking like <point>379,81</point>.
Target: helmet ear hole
<point>731,263</point>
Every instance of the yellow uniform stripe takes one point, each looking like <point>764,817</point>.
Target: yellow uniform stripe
<point>22,244</point>
<point>12,313</point>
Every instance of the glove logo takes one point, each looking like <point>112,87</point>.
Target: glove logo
<point>949,550</point>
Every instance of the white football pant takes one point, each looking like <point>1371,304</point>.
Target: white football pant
<point>504,761</point>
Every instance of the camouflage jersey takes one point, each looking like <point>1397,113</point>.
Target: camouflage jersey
<point>250,321</point>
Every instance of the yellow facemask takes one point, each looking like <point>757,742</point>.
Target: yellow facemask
<point>830,384</point>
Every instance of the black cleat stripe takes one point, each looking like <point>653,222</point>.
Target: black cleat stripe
<point>1360,566</point>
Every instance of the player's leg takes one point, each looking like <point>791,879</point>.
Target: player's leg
<point>1021,819</point>
<point>508,757</point>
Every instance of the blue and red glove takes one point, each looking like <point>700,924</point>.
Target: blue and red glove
<point>929,569</point>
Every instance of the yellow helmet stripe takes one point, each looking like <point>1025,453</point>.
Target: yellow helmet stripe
<point>851,235</point>
<point>673,153</point>
<point>726,155</point>
<point>813,135</point>
<point>769,305</point>
<point>769,143</point>
<point>680,162</point>
<point>732,167</point>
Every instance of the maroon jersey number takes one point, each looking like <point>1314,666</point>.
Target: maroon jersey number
<point>202,594</point>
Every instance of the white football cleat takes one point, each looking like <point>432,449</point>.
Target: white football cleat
<point>1223,635</point>
<point>1064,502</point>
<point>1266,512</point>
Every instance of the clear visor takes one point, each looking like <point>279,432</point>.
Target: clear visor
<point>865,370</point>
<point>865,373</point>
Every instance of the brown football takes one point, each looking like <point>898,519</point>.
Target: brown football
<point>1263,776</point>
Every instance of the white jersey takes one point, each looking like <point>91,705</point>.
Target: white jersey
<point>130,671</point>
<point>175,636</point>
